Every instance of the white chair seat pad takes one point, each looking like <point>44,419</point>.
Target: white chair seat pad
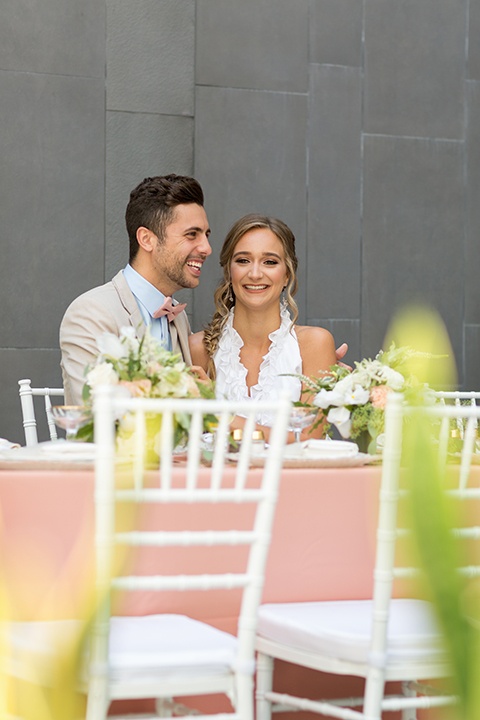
<point>342,629</point>
<point>167,647</point>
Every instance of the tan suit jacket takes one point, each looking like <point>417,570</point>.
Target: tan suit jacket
<point>107,308</point>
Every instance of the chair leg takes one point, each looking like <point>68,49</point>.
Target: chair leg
<point>264,684</point>
<point>97,702</point>
<point>164,707</point>
<point>408,713</point>
<point>244,696</point>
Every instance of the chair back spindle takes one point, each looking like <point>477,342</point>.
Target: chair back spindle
<point>200,487</point>
<point>27,393</point>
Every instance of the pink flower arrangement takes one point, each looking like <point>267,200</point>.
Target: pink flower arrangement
<point>379,395</point>
<point>138,388</point>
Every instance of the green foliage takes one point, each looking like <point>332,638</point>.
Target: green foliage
<point>440,556</point>
<point>146,369</point>
<point>434,514</point>
<point>395,357</point>
<point>85,433</point>
<point>355,401</point>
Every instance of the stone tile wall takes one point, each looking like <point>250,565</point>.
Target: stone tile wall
<point>383,97</point>
<point>355,121</point>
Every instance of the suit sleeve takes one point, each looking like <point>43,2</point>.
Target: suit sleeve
<point>83,322</point>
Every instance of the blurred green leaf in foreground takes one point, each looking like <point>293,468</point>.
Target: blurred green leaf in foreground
<point>434,514</point>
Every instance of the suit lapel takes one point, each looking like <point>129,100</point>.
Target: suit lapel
<point>174,335</point>
<point>128,301</point>
<point>179,335</point>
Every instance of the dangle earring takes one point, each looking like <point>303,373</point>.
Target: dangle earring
<point>284,299</point>
<point>230,294</point>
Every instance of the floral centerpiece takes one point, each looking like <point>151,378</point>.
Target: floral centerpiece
<point>141,368</point>
<point>354,401</point>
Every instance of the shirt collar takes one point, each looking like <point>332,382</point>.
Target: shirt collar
<point>144,291</point>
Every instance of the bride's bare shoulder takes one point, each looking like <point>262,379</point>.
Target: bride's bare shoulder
<point>312,333</point>
<point>317,348</point>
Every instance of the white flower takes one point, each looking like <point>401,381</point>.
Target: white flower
<point>392,378</point>
<point>177,384</point>
<point>428,396</point>
<point>340,417</point>
<point>325,398</point>
<point>111,346</point>
<point>127,423</point>
<point>102,374</point>
<point>358,396</point>
<point>129,339</point>
<point>345,386</point>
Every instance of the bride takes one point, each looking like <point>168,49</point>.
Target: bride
<point>252,339</point>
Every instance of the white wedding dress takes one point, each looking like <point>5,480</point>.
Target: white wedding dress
<point>282,357</point>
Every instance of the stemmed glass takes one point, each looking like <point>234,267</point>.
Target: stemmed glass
<point>71,418</point>
<point>301,417</point>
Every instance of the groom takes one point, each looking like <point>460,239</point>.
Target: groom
<point>168,233</point>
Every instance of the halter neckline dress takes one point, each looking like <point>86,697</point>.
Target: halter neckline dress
<point>283,356</point>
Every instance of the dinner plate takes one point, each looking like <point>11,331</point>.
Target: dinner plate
<point>66,447</point>
<point>318,462</point>
<point>315,453</point>
<point>52,455</point>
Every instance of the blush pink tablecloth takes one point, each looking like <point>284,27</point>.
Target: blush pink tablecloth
<point>322,545</point>
<point>322,548</point>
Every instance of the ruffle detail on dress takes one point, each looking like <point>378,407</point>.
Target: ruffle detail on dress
<point>231,375</point>
<point>268,375</point>
<point>283,357</point>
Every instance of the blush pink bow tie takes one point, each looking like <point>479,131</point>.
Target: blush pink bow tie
<point>169,309</point>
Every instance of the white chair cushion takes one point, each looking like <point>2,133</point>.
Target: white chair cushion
<point>147,648</point>
<point>342,629</point>
<point>167,647</point>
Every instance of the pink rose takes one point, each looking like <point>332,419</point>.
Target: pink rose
<point>138,388</point>
<point>378,396</point>
<point>154,368</point>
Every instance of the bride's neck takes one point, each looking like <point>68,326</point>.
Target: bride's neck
<point>256,326</point>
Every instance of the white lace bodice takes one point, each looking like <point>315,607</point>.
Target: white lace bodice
<point>283,356</point>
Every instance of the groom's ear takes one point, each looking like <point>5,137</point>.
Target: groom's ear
<point>146,239</point>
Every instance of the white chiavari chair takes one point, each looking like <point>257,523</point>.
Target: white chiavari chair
<point>465,432</point>
<point>383,639</point>
<point>165,656</point>
<point>27,393</point>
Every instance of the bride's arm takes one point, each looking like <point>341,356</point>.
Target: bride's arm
<point>198,351</point>
<point>317,348</point>
<point>199,357</point>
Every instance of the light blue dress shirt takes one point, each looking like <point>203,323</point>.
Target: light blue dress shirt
<point>149,300</point>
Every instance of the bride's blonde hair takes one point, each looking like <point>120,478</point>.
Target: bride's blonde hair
<point>224,297</point>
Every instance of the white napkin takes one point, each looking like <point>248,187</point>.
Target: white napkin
<point>7,445</point>
<point>314,448</point>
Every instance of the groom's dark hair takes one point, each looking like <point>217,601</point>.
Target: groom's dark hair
<point>152,205</point>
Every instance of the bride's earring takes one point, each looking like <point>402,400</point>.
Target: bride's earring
<point>284,299</point>
<point>230,293</point>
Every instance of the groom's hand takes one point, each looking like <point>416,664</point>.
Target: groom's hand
<point>201,374</point>
<point>340,353</point>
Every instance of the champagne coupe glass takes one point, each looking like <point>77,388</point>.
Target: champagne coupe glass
<point>71,418</point>
<point>301,417</point>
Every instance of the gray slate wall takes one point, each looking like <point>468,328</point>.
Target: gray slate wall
<point>358,123</point>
